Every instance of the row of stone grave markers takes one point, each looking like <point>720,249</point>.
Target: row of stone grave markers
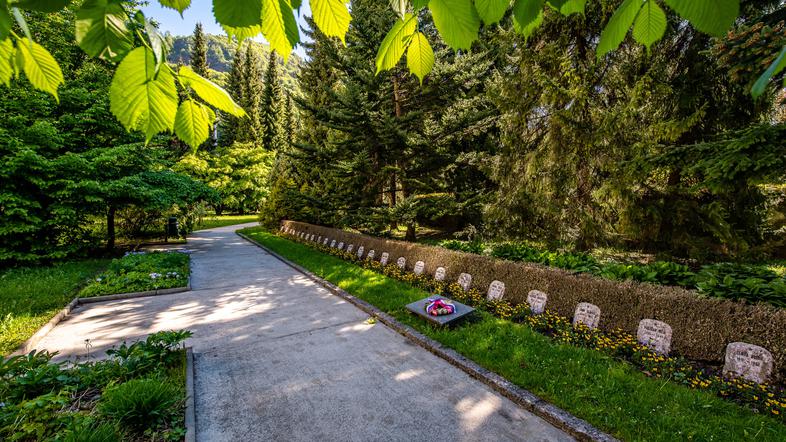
<point>748,361</point>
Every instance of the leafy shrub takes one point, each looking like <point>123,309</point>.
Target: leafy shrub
<point>739,281</point>
<point>576,262</point>
<point>464,246</point>
<point>142,403</point>
<point>141,271</point>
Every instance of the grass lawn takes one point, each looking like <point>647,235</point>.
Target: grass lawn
<point>608,393</point>
<point>30,297</point>
<point>210,222</point>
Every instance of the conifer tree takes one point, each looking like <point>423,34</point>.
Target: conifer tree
<point>270,105</point>
<point>229,125</point>
<point>199,52</point>
<point>249,130</point>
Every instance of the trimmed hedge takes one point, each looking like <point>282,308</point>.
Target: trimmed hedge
<point>702,327</point>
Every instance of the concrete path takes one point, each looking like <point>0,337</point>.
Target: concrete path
<point>278,357</point>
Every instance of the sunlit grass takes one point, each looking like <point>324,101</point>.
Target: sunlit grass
<point>608,393</point>
<point>30,297</point>
<point>210,222</point>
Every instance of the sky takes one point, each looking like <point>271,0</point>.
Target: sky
<point>201,11</point>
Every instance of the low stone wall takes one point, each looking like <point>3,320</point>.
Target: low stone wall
<point>702,327</point>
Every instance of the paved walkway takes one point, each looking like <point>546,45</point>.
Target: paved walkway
<point>278,357</point>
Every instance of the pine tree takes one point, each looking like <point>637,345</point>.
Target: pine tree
<point>199,52</point>
<point>229,125</point>
<point>270,105</point>
<point>288,127</point>
<point>250,130</point>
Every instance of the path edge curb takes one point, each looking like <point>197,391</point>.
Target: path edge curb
<point>30,343</point>
<point>190,414</point>
<point>576,427</point>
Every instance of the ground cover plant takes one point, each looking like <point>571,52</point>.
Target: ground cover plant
<point>213,221</point>
<point>605,378</point>
<point>137,394</point>
<point>139,272</point>
<point>747,282</point>
<point>31,296</point>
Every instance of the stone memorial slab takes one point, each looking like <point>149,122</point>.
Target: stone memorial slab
<point>587,314</point>
<point>440,274</point>
<point>384,258</point>
<point>325,242</point>
<point>333,243</point>
<point>419,267</point>
<point>371,254</point>
<point>465,281</point>
<point>461,313</point>
<point>350,248</point>
<point>537,301</point>
<point>655,335</point>
<point>341,246</point>
<point>401,263</point>
<point>282,228</point>
<point>361,249</point>
<point>496,290</point>
<point>748,361</point>
<point>319,239</point>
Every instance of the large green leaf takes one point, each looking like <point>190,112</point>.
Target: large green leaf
<point>650,24</point>
<point>177,5</point>
<point>101,29</point>
<point>41,5</point>
<point>419,4</point>
<point>141,98</point>
<point>7,61</point>
<point>209,91</point>
<point>244,32</point>
<point>395,42</point>
<point>39,66</point>
<point>420,56</point>
<point>238,13</point>
<point>527,14</point>
<point>332,17</point>
<point>714,17</point>
<point>399,7</point>
<point>776,67</point>
<point>6,21</point>
<point>567,7</point>
<point>279,26</point>
<point>491,11</point>
<point>617,27</point>
<point>457,21</point>
<point>192,123</point>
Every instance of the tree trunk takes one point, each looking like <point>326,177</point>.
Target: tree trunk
<point>110,228</point>
<point>411,235</point>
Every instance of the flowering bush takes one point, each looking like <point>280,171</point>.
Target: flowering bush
<point>616,343</point>
<point>139,272</point>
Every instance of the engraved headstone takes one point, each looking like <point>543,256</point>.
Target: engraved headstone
<point>384,258</point>
<point>537,301</point>
<point>496,290</point>
<point>419,267</point>
<point>401,262</point>
<point>282,228</point>
<point>341,245</point>
<point>371,254</point>
<point>587,314</point>
<point>350,248</point>
<point>748,361</point>
<point>319,239</point>
<point>360,251</point>
<point>440,274</point>
<point>465,281</point>
<point>655,335</point>
<point>333,243</point>
<point>325,242</point>
<point>311,237</point>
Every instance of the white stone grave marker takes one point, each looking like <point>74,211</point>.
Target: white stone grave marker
<point>748,361</point>
<point>537,301</point>
<point>655,335</point>
<point>361,249</point>
<point>419,267</point>
<point>440,274</point>
<point>587,314</point>
<point>384,259</point>
<point>465,281</point>
<point>496,290</point>
<point>401,263</point>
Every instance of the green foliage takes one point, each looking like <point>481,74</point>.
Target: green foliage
<point>139,272</point>
<point>142,403</point>
<point>56,401</point>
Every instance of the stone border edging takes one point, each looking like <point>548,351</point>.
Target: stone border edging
<point>190,418</point>
<point>33,341</point>
<point>576,427</point>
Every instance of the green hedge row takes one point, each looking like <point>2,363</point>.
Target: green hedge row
<point>702,326</point>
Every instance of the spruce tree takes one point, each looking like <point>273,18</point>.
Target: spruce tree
<point>199,52</point>
<point>229,125</point>
<point>249,130</point>
<point>270,105</point>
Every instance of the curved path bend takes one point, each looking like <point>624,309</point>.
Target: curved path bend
<point>278,357</point>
